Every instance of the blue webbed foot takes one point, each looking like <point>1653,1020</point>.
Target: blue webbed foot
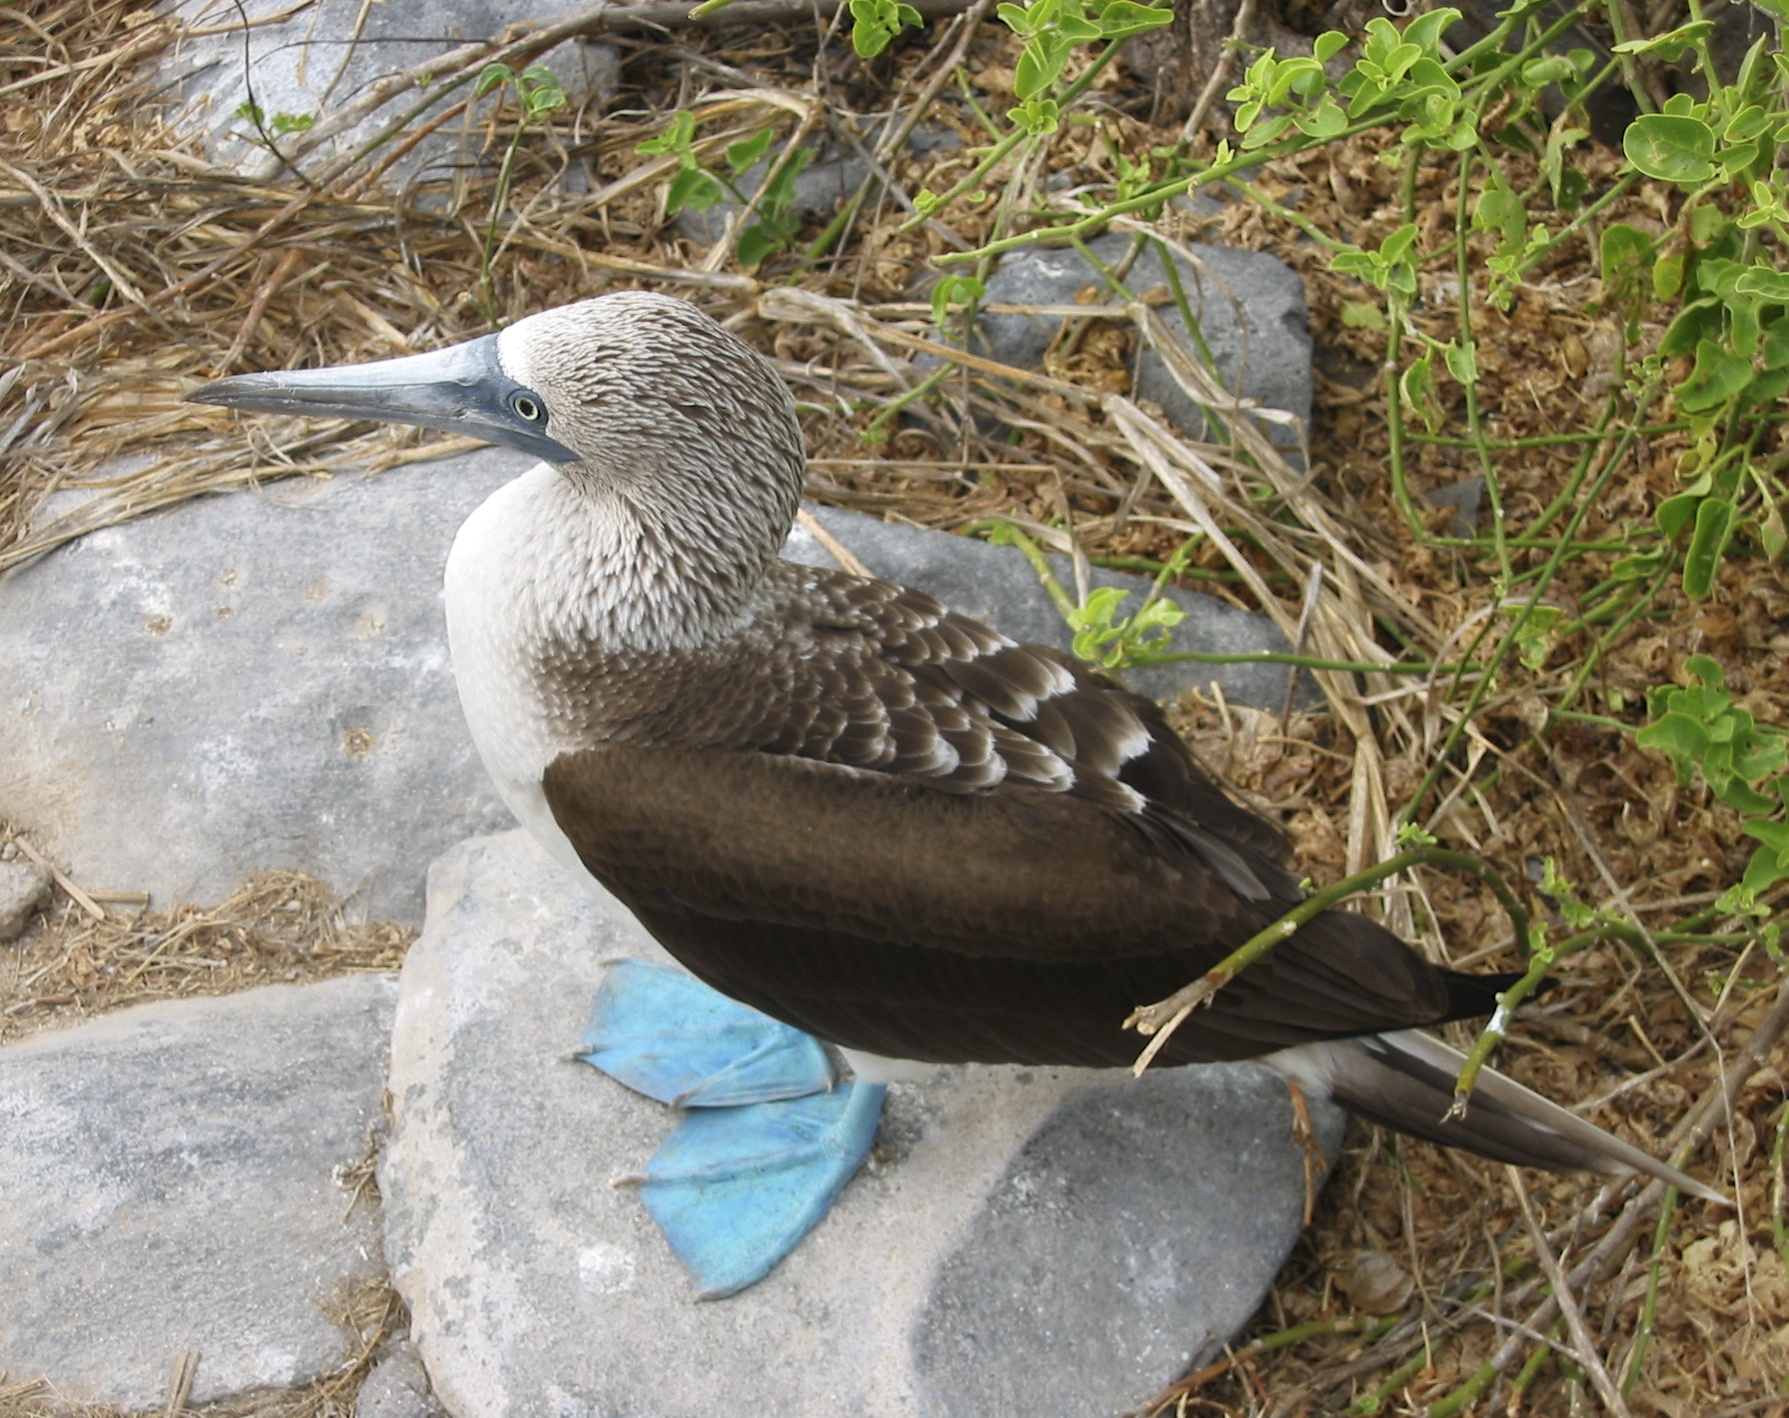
<point>734,1190</point>
<point>771,1144</point>
<point>669,1036</point>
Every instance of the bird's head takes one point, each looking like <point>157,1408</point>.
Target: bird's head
<point>633,395</point>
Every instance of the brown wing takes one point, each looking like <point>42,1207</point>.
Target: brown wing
<point>1016,925</point>
<point>888,826</point>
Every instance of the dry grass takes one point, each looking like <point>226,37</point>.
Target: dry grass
<point>133,269</point>
<point>280,928</point>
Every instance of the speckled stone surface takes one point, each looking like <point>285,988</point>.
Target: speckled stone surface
<point>167,1184</point>
<point>1250,308</point>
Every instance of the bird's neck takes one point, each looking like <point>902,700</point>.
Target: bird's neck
<point>545,560</point>
<point>547,582</point>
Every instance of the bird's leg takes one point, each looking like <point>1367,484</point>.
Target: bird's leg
<point>768,1143</point>
<point>1304,1134</point>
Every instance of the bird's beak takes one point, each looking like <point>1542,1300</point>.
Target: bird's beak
<point>462,389</point>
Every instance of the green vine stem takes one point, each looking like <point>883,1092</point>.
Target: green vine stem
<point>1158,1021</point>
<point>1542,582</point>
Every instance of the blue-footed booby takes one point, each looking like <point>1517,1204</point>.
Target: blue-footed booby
<point>834,801</point>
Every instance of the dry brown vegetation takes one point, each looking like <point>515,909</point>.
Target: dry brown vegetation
<point>132,269</point>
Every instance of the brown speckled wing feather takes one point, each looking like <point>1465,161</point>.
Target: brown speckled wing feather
<point>902,833</point>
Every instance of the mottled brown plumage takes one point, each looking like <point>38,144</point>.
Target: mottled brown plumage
<point>891,827</point>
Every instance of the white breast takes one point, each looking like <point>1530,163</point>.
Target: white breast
<point>512,577</point>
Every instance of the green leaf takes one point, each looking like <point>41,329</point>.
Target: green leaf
<point>1549,69</point>
<point>1767,388</point>
<point>1741,798</point>
<point>1501,210</point>
<point>1774,835</point>
<point>1417,385</point>
<point>1535,640</point>
<point>490,77</point>
<point>1679,150</point>
<point>1362,315</point>
<point>676,138</point>
<point>875,23</point>
<point>1768,285</point>
<point>756,242</point>
<point>1678,735</point>
<point>1719,375</point>
<point>693,189</point>
<point>1627,262</point>
<point>1766,868</point>
<point>1707,222</point>
<point>1715,520</point>
<point>1040,65</point>
<point>1262,134</point>
<point>1425,31</point>
<point>540,91</point>
<point>1462,363</point>
<point>1016,17</point>
<point>1125,17</point>
<point>1323,122</point>
<point>1676,513</point>
<point>1667,275</point>
<point>747,151</point>
<point>954,290</point>
<point>1707,671</point>
<point>1695,323</point>
<point>1329,44</point>
<point>1671,44</point>
<point>1035,116</point>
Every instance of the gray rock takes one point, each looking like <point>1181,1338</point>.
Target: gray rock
<point>1464,497</point>
<point>249,682</point>
<point>23,888</point>
<point>313,60</point>
<point>828,180</point>
<point>397,1386</point>
<point>260,680</point>
<point>1250,308</point>
<point>1079,1236</point>
<point>166,1185</point>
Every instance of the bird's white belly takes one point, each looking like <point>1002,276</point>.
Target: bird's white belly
<point>494,619</point>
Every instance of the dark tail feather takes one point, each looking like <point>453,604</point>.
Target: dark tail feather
<point>1405,1082</point>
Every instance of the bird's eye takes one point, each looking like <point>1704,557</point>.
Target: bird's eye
<point>528,408</point>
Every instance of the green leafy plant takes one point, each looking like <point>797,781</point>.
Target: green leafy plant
<point>874,23</point>
<point>697,187</point>
<point>280,124</point>
<point>954,290</point>
<point>1704,732</point>
<point>540,94</point>
<point>1105,638</point>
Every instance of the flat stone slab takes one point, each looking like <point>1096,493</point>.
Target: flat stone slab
<point>1029,1240</point>
<point>312,61</point>
<point>260,680</point>
<point>167,1185</point>
<point>1250,308</point>
<point>250,682</point>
